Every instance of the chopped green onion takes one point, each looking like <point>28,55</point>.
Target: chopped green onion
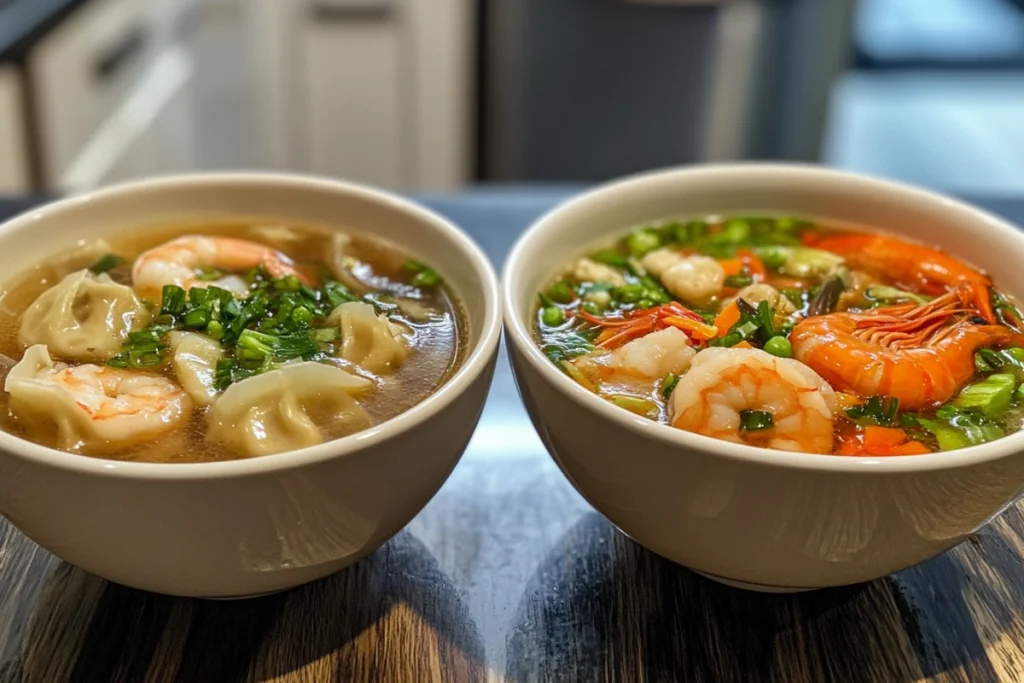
<point>738,281</point>
<point>630,293</point>
<point>172,300</point>
<point>215,329</point>
<point>668,385</point>
<point>992,395</point>
<point>878,410</point>
<point>424,276</point>
<point>106,263</point>
<point>610,258</point>
<point>755,420</point>
<point>197,318</point>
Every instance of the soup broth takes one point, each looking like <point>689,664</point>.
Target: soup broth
<point>790,333</point>
<point>370,311</point>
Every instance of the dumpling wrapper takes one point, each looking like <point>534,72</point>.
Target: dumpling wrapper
<point>371,341</point>
<point>84,317</point>
<point>271,413</point>
<point>104,408</point>
<point>195,362</point>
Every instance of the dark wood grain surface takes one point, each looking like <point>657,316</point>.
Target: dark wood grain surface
<point>507,575</point>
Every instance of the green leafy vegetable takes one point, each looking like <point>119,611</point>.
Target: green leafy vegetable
<point>992,395</point>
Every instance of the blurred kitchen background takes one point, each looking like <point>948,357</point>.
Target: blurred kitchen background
<point>432,95</point>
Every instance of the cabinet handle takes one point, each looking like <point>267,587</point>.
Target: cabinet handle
<point>116,57</point>
<point>352,10</point>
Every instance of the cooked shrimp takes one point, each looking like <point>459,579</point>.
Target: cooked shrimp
<point>650,357</point>
<point>694,278</point>
<point>589,270</point>
<point>176,262</point>
<point>96,403</point>
<point>758,292</point>
<point>722,383</point>
<point>921,355</point>
<point>912,266</point>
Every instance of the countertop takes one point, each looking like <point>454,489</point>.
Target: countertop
<point>22,22</point>
<point>508,575</point>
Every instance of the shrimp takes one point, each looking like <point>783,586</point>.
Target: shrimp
<point>912,266</point>
<point>176,262</point>
<point>694,278</point>
<point>758,292</point>
<point>650,357</point>
<point>107,407</point>
<point>723,382</point>
<point>589,270</point>
<point>919,354</point>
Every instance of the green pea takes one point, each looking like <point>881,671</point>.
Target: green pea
<point>561,292</point>
<point>592,308</point>
<point>644,303</point>
<point>779,346</point>
<point>773,258</point>
<point>641,242</point>
<point>631,293</point>
<point>552,316</point>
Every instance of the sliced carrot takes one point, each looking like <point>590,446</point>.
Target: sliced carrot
<point>731,266</point>
<point>880,441</point>
<point>810,239</point>
<point>697,330</point>
<point>743,345</point>
<point>883,437</point>
<point>726,318</point>
<point>753,263</point>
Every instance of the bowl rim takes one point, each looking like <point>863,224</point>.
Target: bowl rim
<point>475,363</point>
<point>519,334</point>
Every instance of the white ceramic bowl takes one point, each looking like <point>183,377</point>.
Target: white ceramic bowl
<point>762,519</point>
<point>250,526</point>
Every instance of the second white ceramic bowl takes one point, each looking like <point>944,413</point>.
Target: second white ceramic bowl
<point>263,524</point>
<point>761,519</point>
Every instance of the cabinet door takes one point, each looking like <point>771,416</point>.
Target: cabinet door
<point>357,92</point>
<point>15,177</point>
<point>80,71</point>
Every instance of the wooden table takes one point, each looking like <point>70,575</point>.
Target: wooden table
<point>508,575</point>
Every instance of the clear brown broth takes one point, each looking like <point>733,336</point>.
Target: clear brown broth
<point>436,349</point>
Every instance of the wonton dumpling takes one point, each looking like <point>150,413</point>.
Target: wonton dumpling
<point>84,317</point>
<point>270,413</point>
<point>106,408</point>
<point>371,341</point>
<point>195,361</point>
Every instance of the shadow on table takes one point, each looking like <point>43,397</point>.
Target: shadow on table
<point>386,618</point>
<point>603,608</point>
